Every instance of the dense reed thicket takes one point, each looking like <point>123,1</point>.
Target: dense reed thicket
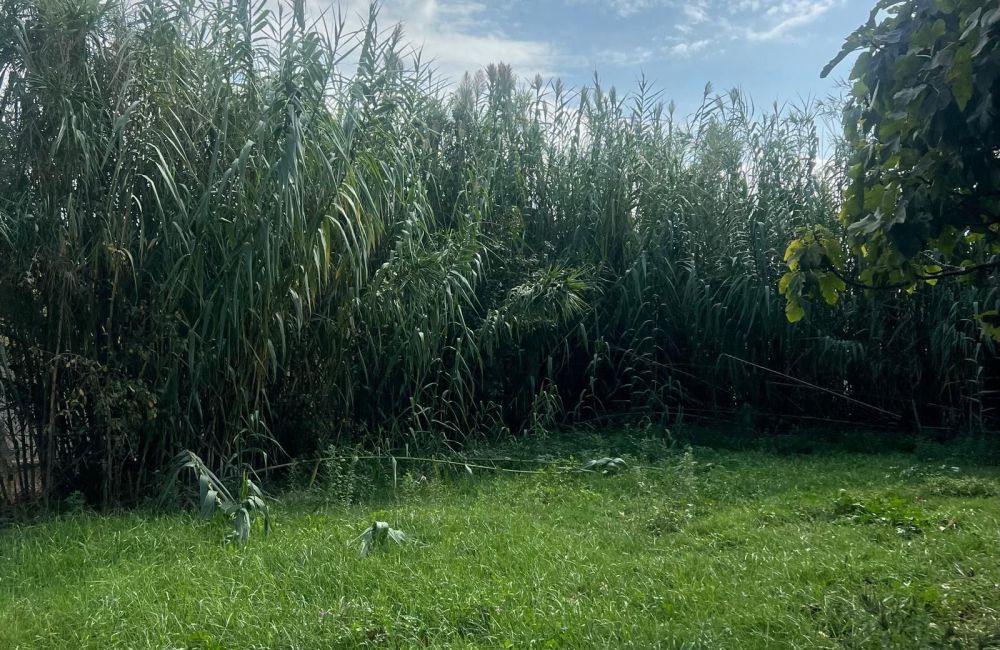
<point>239,232</point>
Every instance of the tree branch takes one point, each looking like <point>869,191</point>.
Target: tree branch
<point>919,276</point>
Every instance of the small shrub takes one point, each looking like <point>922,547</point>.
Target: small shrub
<point>339,476</point>
<point>414,483</point>
<point>75,503</point>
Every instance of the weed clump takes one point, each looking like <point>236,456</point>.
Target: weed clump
<point>907,518</point>
<point>964,486</point>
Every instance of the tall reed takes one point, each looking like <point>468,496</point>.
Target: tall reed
<point>228,229</point>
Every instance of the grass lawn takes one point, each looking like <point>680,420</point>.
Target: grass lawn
<point>713,549</point>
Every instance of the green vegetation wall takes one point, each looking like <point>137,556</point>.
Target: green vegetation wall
<point>229,230</point>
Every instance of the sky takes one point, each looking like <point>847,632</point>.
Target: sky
<point>772,49</point>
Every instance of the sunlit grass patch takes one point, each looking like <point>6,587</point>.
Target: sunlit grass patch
<point>696,549</point>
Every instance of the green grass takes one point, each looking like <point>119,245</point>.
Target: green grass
<point>715,549</point>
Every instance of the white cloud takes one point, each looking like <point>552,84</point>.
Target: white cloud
<point>695,14</point>
<point>456,52</point>
<point>457,35</point>
<point>627,8</point>
<point>703,26</point>
<point>685,49</point>
<point>790,15</point>
<point>713,22</point>
<point>627,58</point>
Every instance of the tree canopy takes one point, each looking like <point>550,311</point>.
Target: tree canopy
<point>922,198</point>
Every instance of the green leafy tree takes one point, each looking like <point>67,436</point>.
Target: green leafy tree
<point>922,200</point>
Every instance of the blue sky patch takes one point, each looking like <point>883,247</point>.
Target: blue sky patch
<point>772,49</point>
